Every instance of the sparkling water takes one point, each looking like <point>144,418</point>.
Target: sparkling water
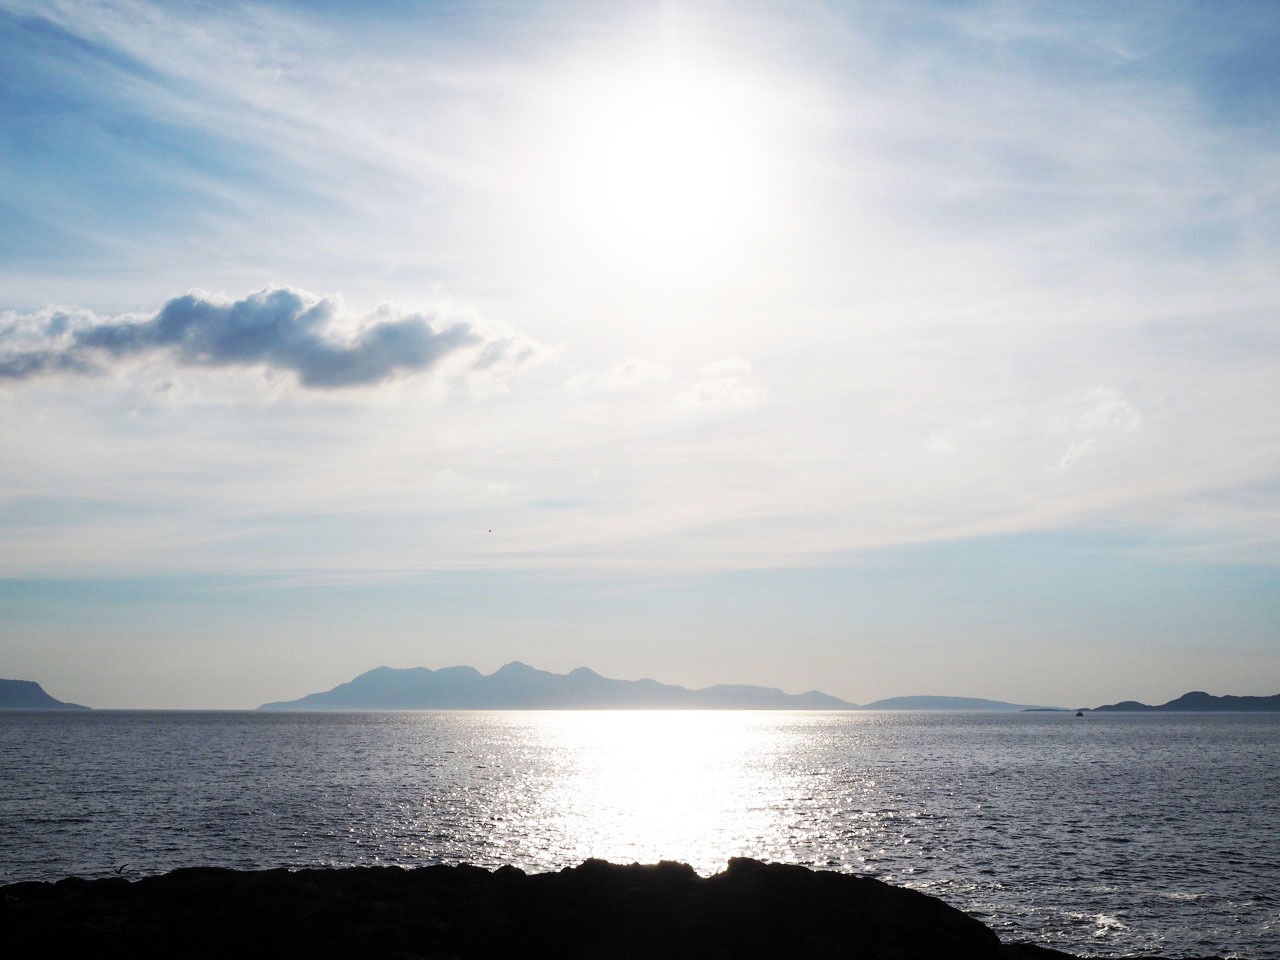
<point>1102,835</point>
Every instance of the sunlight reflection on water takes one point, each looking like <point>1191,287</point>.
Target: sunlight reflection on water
<point>1144,834</point>
<point>636,786</point>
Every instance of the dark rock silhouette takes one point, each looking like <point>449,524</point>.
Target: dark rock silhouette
<point>518,686</point>
<point>29,695</point>
<point>597,910</point>
<point>1197,701</point>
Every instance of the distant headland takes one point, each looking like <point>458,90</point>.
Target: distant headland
<point>29,695</point>
<point>949,703</point>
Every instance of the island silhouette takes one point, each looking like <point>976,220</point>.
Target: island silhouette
<point>518,686</point>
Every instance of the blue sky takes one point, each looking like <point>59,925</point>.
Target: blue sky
<point>880,348</point>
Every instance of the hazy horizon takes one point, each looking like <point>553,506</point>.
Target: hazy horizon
<point>917,695</point>
<point>875,348</point>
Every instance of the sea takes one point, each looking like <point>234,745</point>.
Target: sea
<point>1105,835</point>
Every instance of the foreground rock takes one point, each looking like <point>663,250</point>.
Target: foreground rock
<point>596,910</point>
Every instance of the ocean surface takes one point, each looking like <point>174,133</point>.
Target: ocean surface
<point>1104,835</point>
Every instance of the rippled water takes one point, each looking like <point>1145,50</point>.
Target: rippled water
<point>1104,835</point>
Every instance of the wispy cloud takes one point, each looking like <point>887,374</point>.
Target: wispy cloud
<point>279,329</point>
<point>725,384</point>
<point>626,375</point>
<point>1093,413</point>
<point>1077,450</point>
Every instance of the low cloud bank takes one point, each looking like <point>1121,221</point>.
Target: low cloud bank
<point>277,329</point>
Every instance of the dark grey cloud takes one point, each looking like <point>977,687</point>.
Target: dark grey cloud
<point>280,329</point>
<point>31,363</point>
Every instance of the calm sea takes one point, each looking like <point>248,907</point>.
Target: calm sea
<point>1104,835</point>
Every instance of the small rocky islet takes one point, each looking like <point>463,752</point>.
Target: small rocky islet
<point>595,910</point>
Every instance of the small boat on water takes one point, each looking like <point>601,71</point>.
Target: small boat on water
<point>1079,713</point>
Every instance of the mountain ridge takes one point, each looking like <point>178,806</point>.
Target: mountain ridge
<point>518,686</point>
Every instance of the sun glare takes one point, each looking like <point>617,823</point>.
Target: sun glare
<point>646,785</point>
<point>656,158</point>
<point>662,161</point>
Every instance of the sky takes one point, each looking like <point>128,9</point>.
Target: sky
<point>881,348</point>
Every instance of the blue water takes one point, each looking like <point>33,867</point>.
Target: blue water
<point>1105,836</point>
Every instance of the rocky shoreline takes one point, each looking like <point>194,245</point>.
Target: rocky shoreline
<point>596,910</point>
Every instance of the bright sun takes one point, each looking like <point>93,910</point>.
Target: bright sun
<point>663,159</point>
<point>655,159</point>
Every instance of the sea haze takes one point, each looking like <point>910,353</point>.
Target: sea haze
<point>1105,835</point>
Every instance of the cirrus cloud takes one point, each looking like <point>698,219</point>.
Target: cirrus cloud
<point>1093,413</point>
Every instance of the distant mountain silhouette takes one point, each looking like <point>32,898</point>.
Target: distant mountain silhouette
<point>518,686</point>
<point>946,703</point>
<point>29,695</point>
<point>1199,701</point>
